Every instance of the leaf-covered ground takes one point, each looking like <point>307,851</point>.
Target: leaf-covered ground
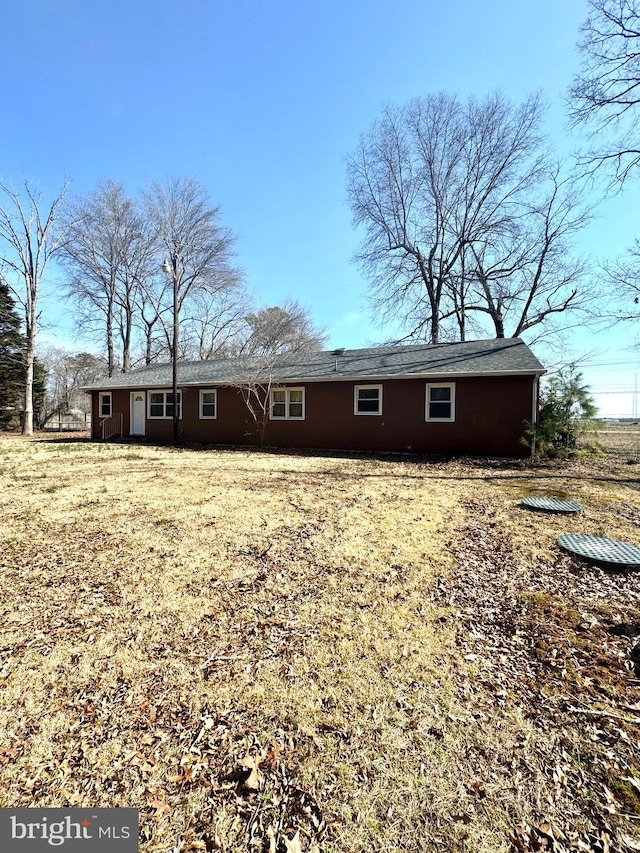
<point>273,652</point>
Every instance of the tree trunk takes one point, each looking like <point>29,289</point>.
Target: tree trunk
<point>126,347</point>
<point>110,354</point>
<point>27,426</point>
<point>30,354</point>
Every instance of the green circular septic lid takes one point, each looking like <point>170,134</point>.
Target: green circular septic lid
<point>550,505</point>
<point>607,553</point>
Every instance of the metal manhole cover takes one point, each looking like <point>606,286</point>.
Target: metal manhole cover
<point>550,505</point>
<point>607,553</point>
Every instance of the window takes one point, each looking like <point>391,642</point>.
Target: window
<point>161,404</point>
<point>368,400</point>
<point>441,402</point>
<point>209,404</point>
<point>287,404</point>
<point>105,405</point>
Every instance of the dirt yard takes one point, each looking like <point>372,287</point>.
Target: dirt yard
<point>292,654</point>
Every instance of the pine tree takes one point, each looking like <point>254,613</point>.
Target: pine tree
<point>12,365</point>
<point>566,405</point>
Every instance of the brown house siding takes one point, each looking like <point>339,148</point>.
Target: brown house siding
<point>489,418</point>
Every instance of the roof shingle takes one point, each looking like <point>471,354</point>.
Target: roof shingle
<point>496,356</point>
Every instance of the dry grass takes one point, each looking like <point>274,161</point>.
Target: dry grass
<point>620,442</point>
<point>247,646</point>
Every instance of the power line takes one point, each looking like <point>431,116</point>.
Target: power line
<point>608,387</point>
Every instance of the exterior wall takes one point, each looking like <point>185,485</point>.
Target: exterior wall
<point>489,418</point>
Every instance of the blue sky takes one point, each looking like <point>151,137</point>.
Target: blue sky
<point>262,102</point>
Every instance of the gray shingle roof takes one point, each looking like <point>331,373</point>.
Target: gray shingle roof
<point>496,356</point>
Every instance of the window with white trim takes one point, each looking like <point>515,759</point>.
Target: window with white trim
<point>368,400</point>
<point>106,404</point>
<point>287,404</point>
<point>208,404</point>
<point>161,404</point>
<point>441,402</point>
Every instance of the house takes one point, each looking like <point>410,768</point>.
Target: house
<point>468,398</point>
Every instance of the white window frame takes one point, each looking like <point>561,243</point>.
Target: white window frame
<point>204,391</point>
<point>356,398</point>
<point>287,405</point>
<point>428,400</point>
<point>103,396</point>
<point>164,416</point>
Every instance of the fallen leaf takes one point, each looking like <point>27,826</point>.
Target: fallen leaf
<point>293,846</point>
<point>252,763</point>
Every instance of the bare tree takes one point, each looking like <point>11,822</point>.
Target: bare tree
<point>525,275</point>
<point>197,251</point>
<point>29,238</point>
<point>605,98</point>
<point>279,329</point>
<point>464,217</point>
<point>215,322</point>
<point>623,278</point>
<point>254,384</point>
<point>151,319</point>
<point>605,94</point>
<point>108,255</point>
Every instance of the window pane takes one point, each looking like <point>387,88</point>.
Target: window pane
<point>279,396</point>
<point>156,410</point>
<point>368,393</point>
<point>105,405</point>
<point>157,398</point>
<point>278,410</point>
<point>440,394</point>
<point>208,404</point>
<point>169,408</point>
<point>295,410</point>
<point>368,406</point>
<point>440,410</point>
<point>295,396</point>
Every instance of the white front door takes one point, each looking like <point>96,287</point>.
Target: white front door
<point>138,412</point>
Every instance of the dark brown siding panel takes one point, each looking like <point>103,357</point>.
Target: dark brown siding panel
<point>95,415</point>
<point>489,419</point>
<point>234,424</point>
<point>490,416</point>
<point>121,404</point>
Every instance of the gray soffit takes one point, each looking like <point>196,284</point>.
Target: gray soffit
<point>503,356</point>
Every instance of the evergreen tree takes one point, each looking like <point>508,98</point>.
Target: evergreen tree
<point>566,405</point>
<point>40,374</point>
<point>12,365</point>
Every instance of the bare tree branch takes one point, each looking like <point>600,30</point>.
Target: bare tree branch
<point>606,93</point>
